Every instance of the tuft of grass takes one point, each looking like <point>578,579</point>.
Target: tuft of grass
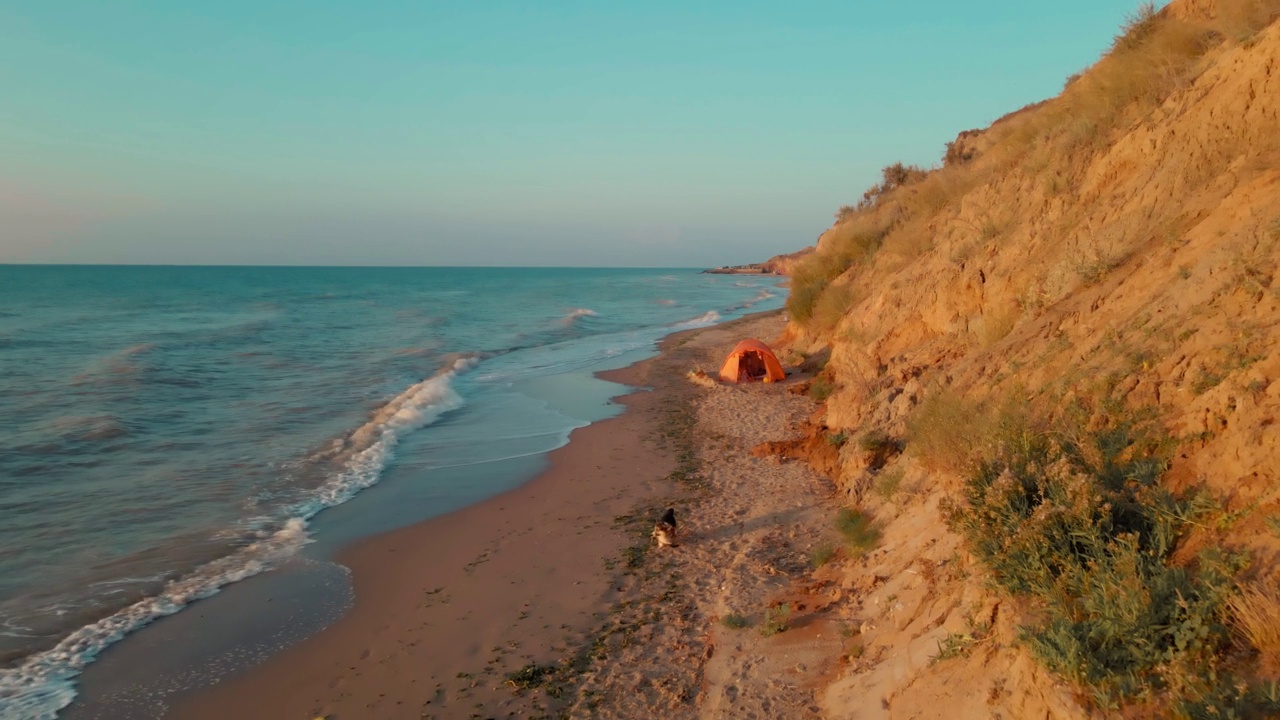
<point>837,439</point>
<point>835,301</point>
<point>1256,612</point>
<point>821,555</point>
<point>888,482</point>
<point>776,620</point>
<point>950,432</point>
<point>1273,522</point>
<point>992,229</point>
<point>1207,380</point>
<point>734,621</point>
<point>859,532</point>
<point>821,388</point>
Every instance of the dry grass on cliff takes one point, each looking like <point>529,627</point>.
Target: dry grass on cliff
<point>849,244</point>
<point>1256,611</point>
<point>1240,20</point>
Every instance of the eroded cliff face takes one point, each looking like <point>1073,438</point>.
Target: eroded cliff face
<point>1116,245</point>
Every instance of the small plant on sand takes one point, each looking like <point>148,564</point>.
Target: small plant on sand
<point>776,619</point>
<point>635,555</point>
<point>821,555</point>
<point>734,621</point>
<point>954,645</point>
<point>837,439</point>
<point>532,676</point>
<point>858,530</point>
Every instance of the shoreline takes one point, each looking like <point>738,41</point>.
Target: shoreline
<point>444,636</point>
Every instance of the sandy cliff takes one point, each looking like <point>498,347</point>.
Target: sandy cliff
<point>1109,253</point>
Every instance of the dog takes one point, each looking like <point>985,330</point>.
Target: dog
<point>665,531</point>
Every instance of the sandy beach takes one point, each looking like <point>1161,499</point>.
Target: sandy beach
<point>549,600</point>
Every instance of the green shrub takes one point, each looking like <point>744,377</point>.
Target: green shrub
<point>860,533</point>
<point>734,621</point>
<point>1077,523</point>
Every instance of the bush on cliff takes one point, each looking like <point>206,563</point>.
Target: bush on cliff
<point>1076,522</point>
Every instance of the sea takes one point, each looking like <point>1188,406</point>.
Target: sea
<point>166,432</point>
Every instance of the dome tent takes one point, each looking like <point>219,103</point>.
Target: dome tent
<point>751,361</point>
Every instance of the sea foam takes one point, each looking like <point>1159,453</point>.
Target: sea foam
<point>45,683</point>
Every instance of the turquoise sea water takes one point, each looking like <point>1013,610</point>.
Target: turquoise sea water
<point>165,431</point>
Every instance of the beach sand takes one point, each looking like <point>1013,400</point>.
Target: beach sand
<point>558,577</point>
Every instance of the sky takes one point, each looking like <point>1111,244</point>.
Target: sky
<point>657,133</point>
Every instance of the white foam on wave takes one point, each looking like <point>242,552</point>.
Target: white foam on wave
<point>45,683</point>
<point>710,317</point>
<point>573,315</point>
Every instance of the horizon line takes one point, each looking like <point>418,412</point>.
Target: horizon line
<point>458,267</point>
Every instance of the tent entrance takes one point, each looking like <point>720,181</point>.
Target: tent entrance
<point>751,367</point>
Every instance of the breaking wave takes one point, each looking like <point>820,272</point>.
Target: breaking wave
<point>577,313</point>
<point>711,317</point>
<point>44,684</point>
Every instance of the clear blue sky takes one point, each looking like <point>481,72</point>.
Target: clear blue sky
<point>477,133</point>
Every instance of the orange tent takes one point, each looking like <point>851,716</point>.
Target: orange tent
<point>750,361</point>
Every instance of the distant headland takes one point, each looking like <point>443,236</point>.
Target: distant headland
<point>776,265</point>
<point>752,269</point>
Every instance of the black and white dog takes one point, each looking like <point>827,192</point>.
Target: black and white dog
<point>665,531</point>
